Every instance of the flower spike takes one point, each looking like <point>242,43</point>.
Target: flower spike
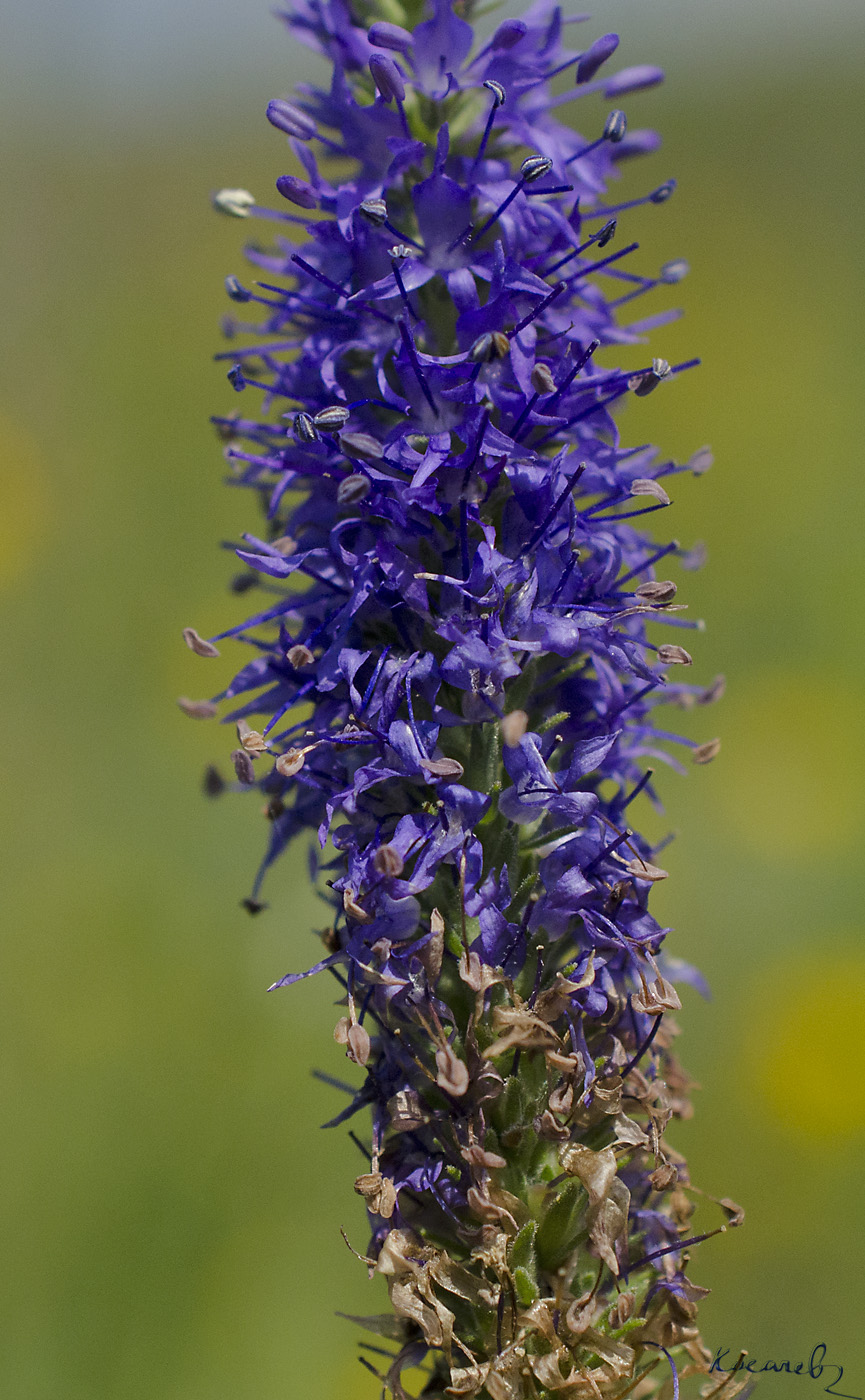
<point>450,690</point>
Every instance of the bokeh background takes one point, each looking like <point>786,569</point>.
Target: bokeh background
<point>168,1202</point>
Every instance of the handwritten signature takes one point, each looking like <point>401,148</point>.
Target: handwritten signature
<point>814,1368</point>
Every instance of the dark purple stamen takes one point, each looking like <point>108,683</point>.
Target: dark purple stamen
<point>335,287</point>
<point>373,680</point>
<point>605,232</point>
<point>648,563</point>
<point>539,309</point>
<point>656,1024</point>
<point>402,291</point>
<point>491,117</point>
<point>553,512</point>
<point>583,360</point>
<point>647,776</point>
<point>607,850</point>
<point>405,336</point>
<point>672,1249</point>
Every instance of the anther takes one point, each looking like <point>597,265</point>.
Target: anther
<point>353,489</point>
<point>534,167</point>
<point>235,203</point>
<point>198,644</point>
<point>236,378</point>
<point>236,291</point>
<point>671,655</point>
<point>399,250</point>
<point>299,656</point>
<point>542,380</point>
<point>361,445</point>
<point>243,767</point>
<point>704,753</point>
<point>607,233</point>
<point>657,591</point>
<point>701,461</point>
<point>616,126</point>
<point>304,429</point>
<point>375,210</point>
<point>647,486</point>
<point>494,345</point>
<point>674,271</point>
<point>197,709</point>
<point>644,384</point>
<point>331,418</point>
<point>497,91</point>
<point>663,192</point>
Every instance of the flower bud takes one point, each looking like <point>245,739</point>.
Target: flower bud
<point>290,119</point>
<point>299,192</point>
<point>387,77</point>
<point>390,36</point>
<point>596,56</point>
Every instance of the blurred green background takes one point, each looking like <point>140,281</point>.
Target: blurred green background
<point>168,1203</point>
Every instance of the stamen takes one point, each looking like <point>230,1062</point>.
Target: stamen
<point>571,376</point>
<point>464,539</point>
<point>499,98</point>
<point>335,287</point>
<point>643,1048</point>
<point>373,680</point>
<point>477,452</point>
<point>614,131</point>
<point>658,196</point>
<point>639,788</point>
<point>319,276</point>
<point>405,335</point>
<point>674,1248</point>
<point>542,306</point>
<point>532,168</point>
<point>652,559</point>
<point>560,500</point>
<point>395,254</point>
<point>569,569</point>
<point>672,1368</point>
<point>608,850</point>
<point>599,266</point>
<point>551,189</point>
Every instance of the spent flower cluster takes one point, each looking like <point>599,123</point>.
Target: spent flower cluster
<point>452,683</point>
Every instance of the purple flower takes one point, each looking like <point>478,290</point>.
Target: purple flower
<point>451,680</point>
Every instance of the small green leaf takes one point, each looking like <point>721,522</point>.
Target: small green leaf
<point>558,1229</point>
<point>522,1249</point>
<point>526,1289</point>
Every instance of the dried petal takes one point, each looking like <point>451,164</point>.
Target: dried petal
<point>453,1074</point>
<point>290,762</point>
